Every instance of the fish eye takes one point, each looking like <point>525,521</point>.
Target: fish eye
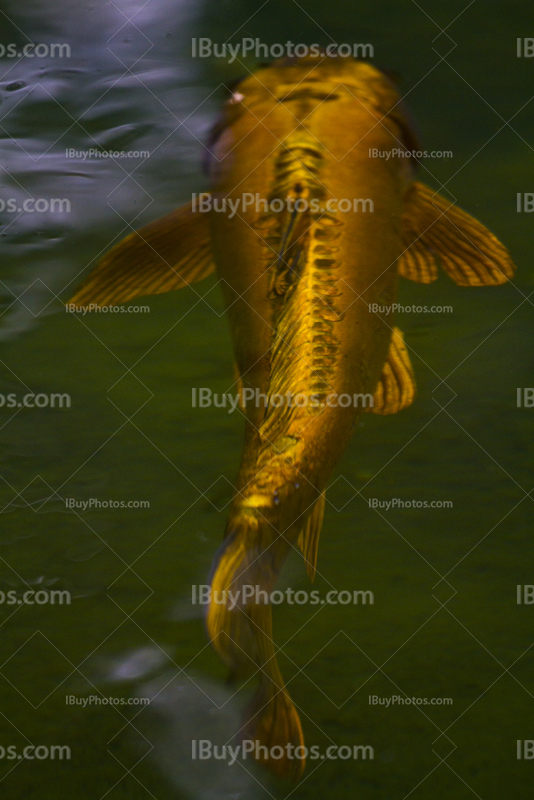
<point>233,96</point>
<point>236,97</point>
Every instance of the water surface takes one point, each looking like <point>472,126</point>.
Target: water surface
<point>445,622</point>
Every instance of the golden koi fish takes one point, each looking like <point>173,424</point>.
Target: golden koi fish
<point>299,276</point>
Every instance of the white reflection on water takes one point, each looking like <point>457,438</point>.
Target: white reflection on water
<point>182,711</point>
<point>127,86</point>
<point>184,708</point>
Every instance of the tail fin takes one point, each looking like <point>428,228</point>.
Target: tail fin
<point>239,624</point>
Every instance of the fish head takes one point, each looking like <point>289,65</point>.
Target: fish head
<point>282,95</point>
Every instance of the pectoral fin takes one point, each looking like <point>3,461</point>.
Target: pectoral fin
<point>308,540</point>
<point>436,231</point>
<point>167,254</point>
<point>396,387</point>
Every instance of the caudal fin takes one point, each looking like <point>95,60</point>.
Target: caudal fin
<point>273,725</point>
<point>239,624</point>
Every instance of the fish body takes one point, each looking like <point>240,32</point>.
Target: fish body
<point>300,273</point>
<point>275,140</point>
<point>298,286</point>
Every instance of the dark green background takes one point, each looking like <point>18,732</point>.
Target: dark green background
<point>131,629</point>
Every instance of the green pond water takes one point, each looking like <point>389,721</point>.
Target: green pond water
<point>445,622</point>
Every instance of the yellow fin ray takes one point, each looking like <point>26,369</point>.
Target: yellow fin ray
<point>308,540</point>
<point>396,388</point>
<point>437,231</point>
<point>172,252</point>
